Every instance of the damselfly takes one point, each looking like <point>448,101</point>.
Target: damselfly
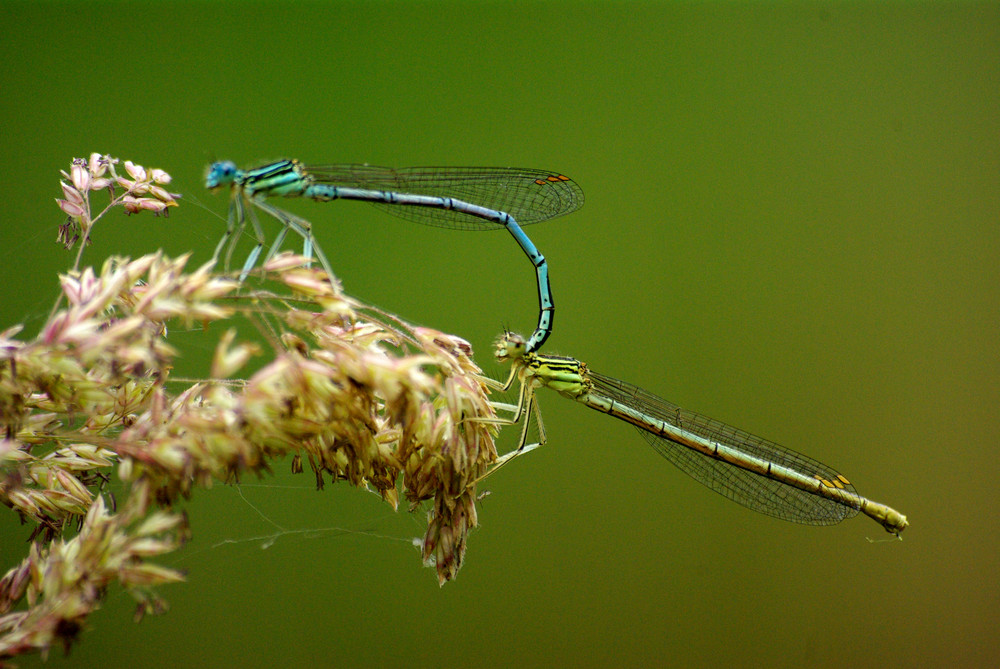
<point>464,198</point>
<point>754,472</point>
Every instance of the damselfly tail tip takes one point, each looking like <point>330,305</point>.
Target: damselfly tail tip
<point>900,524</point>
<point>894,522</point>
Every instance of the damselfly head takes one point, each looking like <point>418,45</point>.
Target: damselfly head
<point>510,346</point>
<point>220,174</point>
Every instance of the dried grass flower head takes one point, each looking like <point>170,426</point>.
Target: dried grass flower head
<point>358,395</point>
<point>142,190</point>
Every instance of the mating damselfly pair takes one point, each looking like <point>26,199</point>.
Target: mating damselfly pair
<point>749,470</point>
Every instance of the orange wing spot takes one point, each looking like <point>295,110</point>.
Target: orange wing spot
<point>843,480</point>
<point>556,178</point>
<point>822,480</point>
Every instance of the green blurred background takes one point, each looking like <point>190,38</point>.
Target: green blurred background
<point>791,225</point>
